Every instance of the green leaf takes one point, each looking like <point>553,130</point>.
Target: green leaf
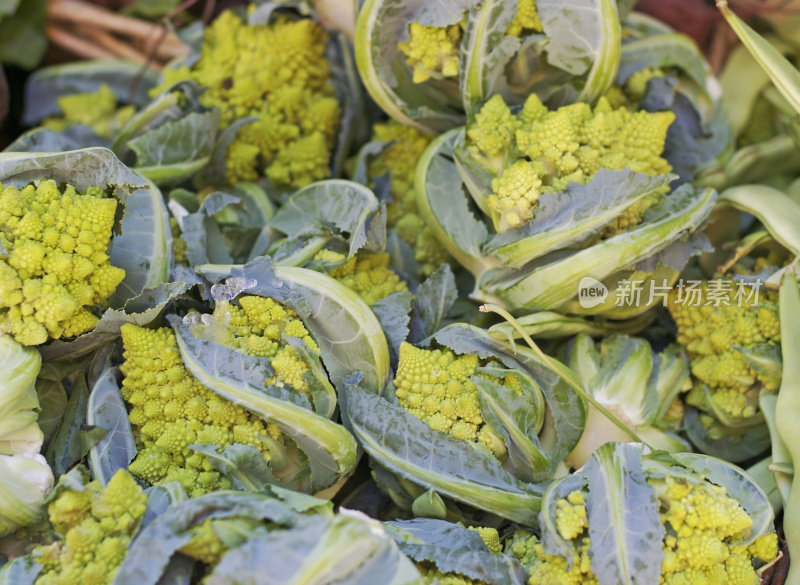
<point>732,444</point>
<point>778,212</point>
<point>345,205</point>
<point>393,313</point>
<point>22,36</point>
<point>349,549</point>
<point>518,417</point>
<point>452,548</point>
<point>486,51</point>
<point>175,151</point>
<point>577,214</point>
<point>624,526</point>
<point>244,465</point>
<point>239,378</point>
<point>129,82</point>
<point>782,73</point>
<point>52,404</point>
<point>149,555</point>
<point>106,410</point>
<point>445,207</point>
<point>662,51</point>
<point>406,446</point>
<point>583,36</point>
<point>64,449</point>
<point>22,570</point>
<point>429,505</point>
<point>433,300</point>
<point>204,240</point>
<point>553,281</point>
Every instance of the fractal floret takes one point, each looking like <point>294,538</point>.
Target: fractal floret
<point>95,526</point>
<point>55,268</point>
<point>279,73</point>
<point>435,386</point>
<point>699,520</point>
<point>399,159</point>
<point>98,110</point>
<point>730,332</point>
<point>366,274</point>
<point>558,147</point>
<point>171,410</point>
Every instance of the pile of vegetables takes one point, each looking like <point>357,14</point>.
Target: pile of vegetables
<point>478,292</point>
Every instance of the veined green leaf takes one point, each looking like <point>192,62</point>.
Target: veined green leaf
<point>554,281</point>
<point>348,549</point>
<point>346,205</point>
<point>574,215</point>
<point>583,36</point>
<point>665,50</point>
<point>779,213</point>
<point>106,410</point>
<point>624,525</point>
<point>486,50</point>
<point>150,554</point>
<point>445,207</point>
<point>432,300</point>
<point>330,449</point>
<point>454,548</point>
<point>408,447</point>
<point>782,73</point>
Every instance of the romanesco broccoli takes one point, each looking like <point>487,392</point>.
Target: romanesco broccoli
<point>433,51</point>
<point>98,110</point>
<point>435,386</point>
<point>96,526</point>
<point>278,72</point>
<point>555,148</point>
<point>431,575</point>
<point>716,325</point>
<point>702,524</point>
<point>56,267</point>
<point>399,160</point>
<point>368,275</point>
<point>170,409</point>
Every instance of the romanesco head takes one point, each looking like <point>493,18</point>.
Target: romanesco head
<point>702,524</point>
<point>368,275</point>
<point>170,410</point>
<point>99,110</point>
<point>96,526</point>
<point>278,72</point>
<point>714,319</point>
<point>432,51</point>
<point>435,386</point>
<point>399,160</point>
<point>558,147</point>
<point>57,269</point>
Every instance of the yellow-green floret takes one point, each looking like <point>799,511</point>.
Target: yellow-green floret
<point>433,51</point>
<point>95,527</point>
<point>435,386</point>
<point>399,160</point>
<point>555,148</point>
<point>99,110</point>
<point>55,269</point>
<point>278,72</point>
<point>368,275</point>
<point>702,525</point>
<point>170,409</point>
<point>711,320</point>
